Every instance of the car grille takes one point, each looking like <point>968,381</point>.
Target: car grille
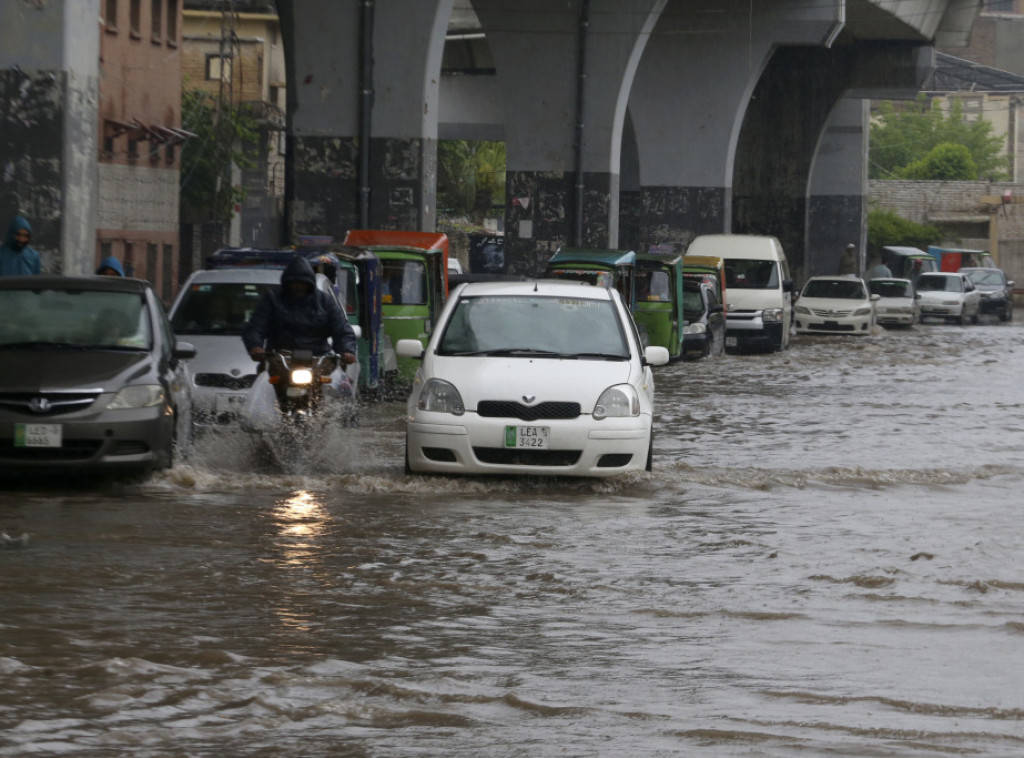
<point>224,381</point>
<point>500,455</point>
<point>70,450</point>
<point>47,403</point>
<point>512,409</point>
<point>823,313</point>
<point>831,327</point>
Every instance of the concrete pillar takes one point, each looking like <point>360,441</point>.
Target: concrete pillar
<point>690,98</point>
<point>323,43</point>
<point>536,50</point>
<point>837,205</point>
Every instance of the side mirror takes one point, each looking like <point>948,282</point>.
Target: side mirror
<point>409,349</point>
<point>654,355</point>
<point>875,297</point>
<point>183,351</point>
<point>787,285</point>
<point>1009,284</point>
<point>716,308</point>
<point>358,330</point>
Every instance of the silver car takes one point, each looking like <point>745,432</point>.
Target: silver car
<point>211,310</point>
<point>945,296</point>
<point>91,376</point>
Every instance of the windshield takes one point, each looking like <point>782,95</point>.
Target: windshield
<point>652,286</point>
<point>693,303</point>
<point>217,307</point>
<point>751,275</point>
<point>939,284</point>
<point>841,289</point>
<point>347,289</point>
<point>990,277</point>
<point>75,318</point>
<point>404,283</point>
<point>528,325</point>
<point>884,288</point>
<point>588,275</point>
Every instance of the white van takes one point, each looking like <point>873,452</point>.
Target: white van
<point>758,288</point>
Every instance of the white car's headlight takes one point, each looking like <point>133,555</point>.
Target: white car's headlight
<point>439,396</point>
<point>137,396</point>
<point>803,309</point>
<point>620,400</point>
<point>771,314</point>
<point>697,328</point>
<point>865,311</point>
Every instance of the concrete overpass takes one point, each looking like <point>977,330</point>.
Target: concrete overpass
<point>626,122</point>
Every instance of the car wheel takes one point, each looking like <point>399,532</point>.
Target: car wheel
<point>960,319</point>
<point>408,469</point>
<point>976,317</point>
<point>650,454</point>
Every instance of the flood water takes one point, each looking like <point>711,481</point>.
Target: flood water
<point>826,560</point>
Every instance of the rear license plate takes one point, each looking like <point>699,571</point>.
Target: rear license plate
<point>527,436</point>
<point>730,342</point>
<point>37,435</point>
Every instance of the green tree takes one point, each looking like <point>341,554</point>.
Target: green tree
<point>887,228</point>
<point>470,176</point>
<point>946,161</point>
<point>904,135</point>
<point>222,136</point>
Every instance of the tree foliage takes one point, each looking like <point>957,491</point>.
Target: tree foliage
<point>470,176</point>
<point>945,161</point>
<point>906,135</point>
<point>886,227</point>
<point>207,159</point>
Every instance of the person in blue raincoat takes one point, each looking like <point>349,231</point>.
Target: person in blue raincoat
<point>298,316</point>
<point>110,266</point>
<point>17,258</point>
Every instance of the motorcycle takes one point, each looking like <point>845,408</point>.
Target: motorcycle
<point>313,400</point>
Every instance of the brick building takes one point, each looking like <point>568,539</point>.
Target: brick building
<point>140,138</point>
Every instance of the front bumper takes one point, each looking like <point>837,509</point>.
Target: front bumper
<point>140,438</point>
<point>581,447</point>
<point>814,324</point>
<point>746,329</point>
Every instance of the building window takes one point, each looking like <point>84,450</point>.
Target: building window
<point>135,18</point>
<point>129,259</point>
<point>218,68</point>
<point>156,20</point>
<point>168,272</point>
<point>110,16</point>
<point>169,153</point>
<point>172,22</point>
<point>133,149</point>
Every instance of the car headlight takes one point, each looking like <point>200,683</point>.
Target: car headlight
<point>697,328</point>
<point>803,309</point>
<point>137,396</point>
<point>617,401</point>
<point>439,396</point>
<point>771,314</point>
<point>865,311</point>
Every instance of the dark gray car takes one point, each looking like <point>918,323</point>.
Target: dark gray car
<point>91,376</point>
<point>996,291</point>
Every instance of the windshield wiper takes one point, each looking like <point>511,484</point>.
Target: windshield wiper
<point>598,356</point>
<point>513,351</point>
<point>41,345</point>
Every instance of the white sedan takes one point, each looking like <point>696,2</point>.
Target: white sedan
<point>897,305</point>
<point>535,377</point>
<point>835,305</point>
<point>947,295</point>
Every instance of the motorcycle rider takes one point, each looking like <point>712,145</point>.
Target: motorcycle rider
<point>299,316</point>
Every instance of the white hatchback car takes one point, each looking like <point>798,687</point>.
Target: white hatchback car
<point>945,295</point>
<point>896,305</point>
<point>532,377</point>
<point>835,305</point>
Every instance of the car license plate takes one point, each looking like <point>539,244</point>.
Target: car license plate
<point>228,402</point>
<point>37,435</point>
<point>730,342</point>
<point>527,436</point>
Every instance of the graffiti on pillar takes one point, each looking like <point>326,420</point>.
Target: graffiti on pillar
<point>675,215</point>
<point>31,122</point>
<point>536,228</point>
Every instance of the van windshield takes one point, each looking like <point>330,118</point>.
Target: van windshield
<point>217,307</point>
<point>751,275</point>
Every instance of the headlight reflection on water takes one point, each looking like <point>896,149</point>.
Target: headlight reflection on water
<point>300,519</point>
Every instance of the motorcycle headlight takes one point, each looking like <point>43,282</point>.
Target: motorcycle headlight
<point>302,376</point>
<point>137,396</point>
<point>440,396</point>
<point>697,328</point>
<point>865,311</point>
<point>620,400</point>
<point>771,315</point>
